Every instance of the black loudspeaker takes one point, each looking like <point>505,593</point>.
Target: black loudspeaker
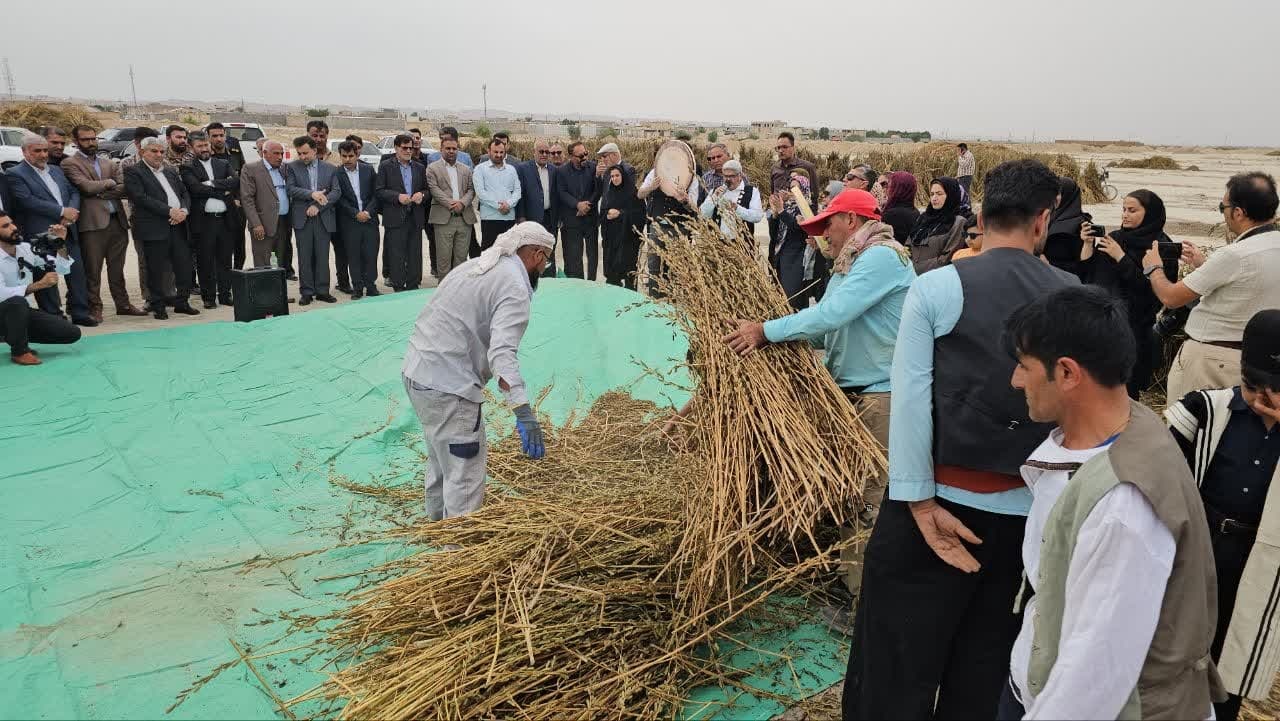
<point>259,293</point>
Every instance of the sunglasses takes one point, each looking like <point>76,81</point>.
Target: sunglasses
<point>581,157</point>
<point>972,235</point>
<point>557,152</point>
<point>851,177</point>
<point>544,152</point>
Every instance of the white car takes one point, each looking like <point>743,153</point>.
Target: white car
<point>11,145</point>
<point>248,134</point>
<point>369,152</point>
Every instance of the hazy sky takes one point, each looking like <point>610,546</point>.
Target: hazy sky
<point>1170,71</point>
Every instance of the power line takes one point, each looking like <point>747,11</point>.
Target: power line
<point>134,88</point>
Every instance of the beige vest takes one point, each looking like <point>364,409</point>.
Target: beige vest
<point>1178,679</point>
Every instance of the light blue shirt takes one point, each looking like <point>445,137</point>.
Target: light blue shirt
<point>97,170</point>
<point>277,178</point>
<point>406,175</point>
<point>494,185</point>
<point>463,157</point>
<point>856,320</point>
<point>932,310</point>
<point>353,177</point>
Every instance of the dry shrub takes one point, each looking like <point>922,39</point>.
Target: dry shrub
<point>1155,162</point>
<point>34,115</point>
<point>1274,153</point>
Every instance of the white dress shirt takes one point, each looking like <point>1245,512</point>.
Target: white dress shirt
<point>544,176</point>
<point>452,172</point>
<point>14,277</point>
<point>353,177</point>
<point>754,213</point>
<point>163,179</point>
<point>50,183</point>
<point>1115,587</point>
<point>212,205</point>
<point>692,192</point>
<point>470,331</point>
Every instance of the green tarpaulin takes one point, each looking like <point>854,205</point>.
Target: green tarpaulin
<point>141,471</point>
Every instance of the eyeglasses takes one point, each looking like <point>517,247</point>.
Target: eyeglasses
<point>543,152</point>
<point>972,235</point>
<point>1222,207</point>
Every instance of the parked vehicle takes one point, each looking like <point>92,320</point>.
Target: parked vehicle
<point>369,152</point>
<point>387,146</point>
<point>11,146</point>
<point>114,141</point>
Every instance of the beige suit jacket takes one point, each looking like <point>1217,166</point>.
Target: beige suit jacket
<point>95,191</point>
<point>442,192</point>
<point>258,197</point>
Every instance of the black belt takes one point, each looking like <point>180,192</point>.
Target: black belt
<point>854,391</point>
<point>1223,526</point>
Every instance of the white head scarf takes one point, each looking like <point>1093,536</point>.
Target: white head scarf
<point>522,234</point>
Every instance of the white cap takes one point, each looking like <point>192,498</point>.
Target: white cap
<point>609,148</point>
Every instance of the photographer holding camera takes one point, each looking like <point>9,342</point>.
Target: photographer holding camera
<point>25,270</point>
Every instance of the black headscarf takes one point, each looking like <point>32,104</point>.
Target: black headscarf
<point>939,220</point>
<point>1069,215</point>
<point>622,197</point>
<point>1137,241</point>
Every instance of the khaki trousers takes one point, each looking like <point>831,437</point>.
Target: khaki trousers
<point>451,243</point>
<point>873,409</point>
<point>1199,366</point>
<point>109,245</point>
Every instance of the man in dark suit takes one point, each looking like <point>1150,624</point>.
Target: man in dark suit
<point>575,202</point>
<point>228,149</point>
<point>402,187</point>
<point>42,196</point>
<point>213,188</point>
<point>161,205</point>
<point>313,194</point>
<point>358,219</point>
<point>537,194</point>
<point>6,200</point>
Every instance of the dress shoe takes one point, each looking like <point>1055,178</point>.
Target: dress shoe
<point>306,300</point>
<point>373,292</point>
<point>161,313</point>
<point>225,300</point>
<point>26,359</point>
<point>210,305</point>
<point>195,289</point>
<point>96,315</point>
<point>186,309</point>
<point>346,289</point>
<point>356,295</point>
<point>291,276</point>
<point>131,310</point>
<point>85,321</point>
<point>326,298</point>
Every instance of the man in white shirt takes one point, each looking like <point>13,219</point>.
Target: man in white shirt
<point>736,198</point>
<point>20,324</point>
<point>469,332</point>
<point>1232,285</point>
<point>213,187</point>
<point>1116,547</point>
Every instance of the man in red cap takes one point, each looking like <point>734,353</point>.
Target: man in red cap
<point>857,323</point>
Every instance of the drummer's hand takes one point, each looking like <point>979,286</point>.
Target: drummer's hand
<point>682,196</point>
<point>775,203</point>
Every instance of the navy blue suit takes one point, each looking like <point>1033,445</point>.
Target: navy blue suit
<point>530,205</point>
<point>34,210</point>
<point>359,240</point>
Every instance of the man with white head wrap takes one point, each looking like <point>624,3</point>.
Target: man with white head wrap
<point>738,195</point>
<point>470,332</point>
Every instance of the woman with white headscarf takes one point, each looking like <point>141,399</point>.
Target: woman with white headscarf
<point>470,332</point>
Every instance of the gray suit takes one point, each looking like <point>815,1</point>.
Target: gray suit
<point>312,234</point>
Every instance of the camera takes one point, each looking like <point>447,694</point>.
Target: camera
<point>44,246</point>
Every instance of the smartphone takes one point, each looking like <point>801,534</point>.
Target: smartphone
<point>1170,251</point>
<point>1098,231</point>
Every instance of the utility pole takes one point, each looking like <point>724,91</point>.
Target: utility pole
<point>8,79</point>
<point>484,93</point>
<point>133,87</point>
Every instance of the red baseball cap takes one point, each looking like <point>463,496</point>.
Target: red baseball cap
<point>859,202</point>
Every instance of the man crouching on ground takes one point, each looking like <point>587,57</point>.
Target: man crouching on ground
<point>469,332</point>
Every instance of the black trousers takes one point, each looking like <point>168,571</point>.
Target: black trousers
<point>359,243</point>
<point>491,229</point>
<point>575,240</point>
<point>77,285</point>
<point>431,248</point>
<point>1230,552</point>
<point>170,254</point>
<point>213,241</point>
<point>403,253</point>
<point>341,264</point>
<point>238,226</point>
<point>1010,709</point>
<point>930,641</point>
<point>21,324</point>
<point>550,272</point>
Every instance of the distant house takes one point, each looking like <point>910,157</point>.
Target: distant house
<point>767,128</point>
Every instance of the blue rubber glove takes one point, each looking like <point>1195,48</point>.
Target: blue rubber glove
<point>531,441</point>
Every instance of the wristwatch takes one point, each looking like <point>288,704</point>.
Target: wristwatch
<point>1147,271</point>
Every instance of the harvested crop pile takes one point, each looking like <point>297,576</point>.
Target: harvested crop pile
<point>1155,162</point>
<point>33,115</point>
<point>608,578</point>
